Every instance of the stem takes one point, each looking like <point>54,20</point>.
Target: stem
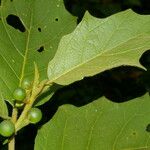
<point>24,113</point>
<point>11,144</point>
<point>14,115</point>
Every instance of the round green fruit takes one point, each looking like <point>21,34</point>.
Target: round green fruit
<point>34,115</point>
<point>26,83</point>
<point>19,94</point>
<point>7,128</point>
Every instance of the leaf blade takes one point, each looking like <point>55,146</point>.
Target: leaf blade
<point>89,49</point>
<point>18,50</point>
<point>101,124</point>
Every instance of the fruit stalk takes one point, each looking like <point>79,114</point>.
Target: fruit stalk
<point>11,144</point>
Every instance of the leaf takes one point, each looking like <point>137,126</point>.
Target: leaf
<point>100,125</point>
<point>42,23</point>
<point>45,96</point>
<point>3,108</point>
<point>100,44</point>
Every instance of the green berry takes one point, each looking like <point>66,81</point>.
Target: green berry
<point>26,83</point>
<point>7,128</point>
<point>19,94</point>
<point>34,115</point>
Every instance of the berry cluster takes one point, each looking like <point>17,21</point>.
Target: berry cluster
<point>7,127</point>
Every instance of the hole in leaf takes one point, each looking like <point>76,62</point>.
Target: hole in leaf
<point>148,128</point>
<point>15,22</point>
<point>39,29</point>
<point>41,49</point>
<point>56,19</point>
<point>11,0</point>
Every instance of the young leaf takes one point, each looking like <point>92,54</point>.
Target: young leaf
<point>45,96</point>
<point>100,125</point>
<point>36,76</point>
<point>41,25</point>
<point>100,44</point>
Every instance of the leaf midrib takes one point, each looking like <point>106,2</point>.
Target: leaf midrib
<point>26,49</point>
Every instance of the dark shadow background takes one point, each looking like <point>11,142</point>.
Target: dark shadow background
<point>118,84</point>
<point>104,8</point>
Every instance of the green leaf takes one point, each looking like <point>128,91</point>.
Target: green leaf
<point>45,22</point>
<point>100,125</point>
<point>100,44</point>
<point>3,108</point>
<point>45,96</point>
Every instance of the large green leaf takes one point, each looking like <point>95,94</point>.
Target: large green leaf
<point>100,44</point>
<point>45,22</point>
<point>100,125</point>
